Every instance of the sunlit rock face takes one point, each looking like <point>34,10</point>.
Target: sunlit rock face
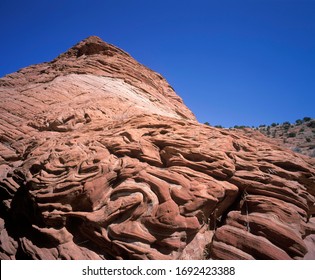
<point>100,159</point>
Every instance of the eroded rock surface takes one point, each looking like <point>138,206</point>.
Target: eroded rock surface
<point>100,159</point>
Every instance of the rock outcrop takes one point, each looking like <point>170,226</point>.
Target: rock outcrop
<point>100,159</point>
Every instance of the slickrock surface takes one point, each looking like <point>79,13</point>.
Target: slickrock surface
<point>100,159</point>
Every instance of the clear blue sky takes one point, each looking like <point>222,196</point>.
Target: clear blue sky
<point>244,62</point>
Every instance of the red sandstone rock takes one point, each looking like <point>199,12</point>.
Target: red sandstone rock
<point>100,159</point>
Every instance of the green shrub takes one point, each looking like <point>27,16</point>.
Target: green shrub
<point>297,150</point>
<point>298,122</point>
<point>311,124</point>
<point>286,125</point>
<point>239,126</point>
<point>292,134</point>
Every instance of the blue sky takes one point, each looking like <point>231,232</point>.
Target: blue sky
<point>234,62</point>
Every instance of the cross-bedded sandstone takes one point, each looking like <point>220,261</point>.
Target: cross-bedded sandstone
<point>100,159</point>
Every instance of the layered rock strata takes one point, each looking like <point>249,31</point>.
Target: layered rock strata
<point>100,159</point>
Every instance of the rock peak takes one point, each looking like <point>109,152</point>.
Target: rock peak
<point>92,45</point>
<point>92,57</point>
<point>93,38</point>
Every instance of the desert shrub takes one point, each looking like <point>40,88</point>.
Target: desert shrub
<point>292,134</point>
<point>206,123</point>
<point>239,126</point>
<point>273,124</point>
<point>286,125</point>
<point>306,119</point>
<point>298,122</point>
<point>308,139</point>
<point>218,126</point>
<point>297,150</point>
<point>311,124</point>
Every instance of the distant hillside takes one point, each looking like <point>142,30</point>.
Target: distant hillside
<point>299,136</point>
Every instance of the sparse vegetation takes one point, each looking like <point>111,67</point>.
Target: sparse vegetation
<point>300,134</point>
<point>240,126</point>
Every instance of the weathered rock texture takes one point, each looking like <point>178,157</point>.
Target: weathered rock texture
<point>100,159</point>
